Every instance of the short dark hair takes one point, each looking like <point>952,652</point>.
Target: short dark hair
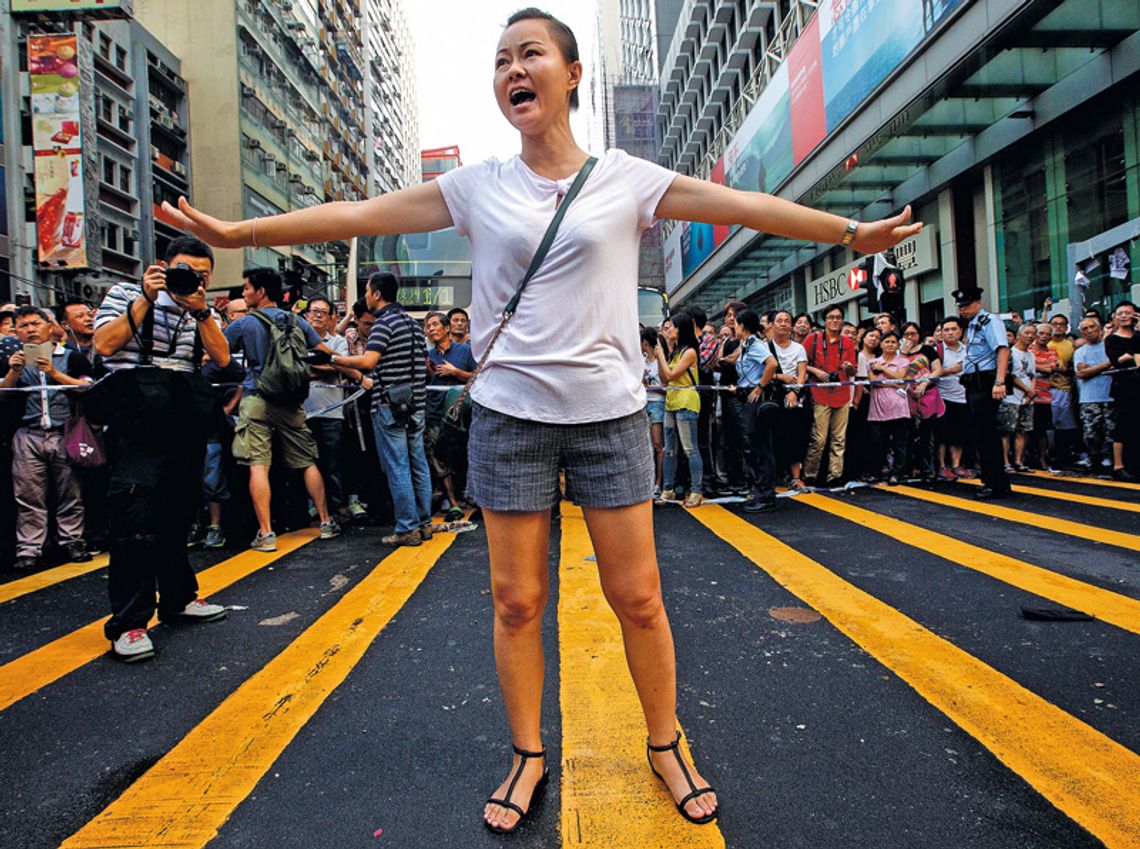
<point>385,284</point>
<point>457,311</point>
<point>28,309</point>
<point>1124,304</point>
<point>749,320</point>
<point>323,300</point>
<point>562,34</point>
<point>886,334</point>
<point>251,271</point>
<point>698,315</point>
<point>189,246</point>
<point>436,314</point>
<point>649,336</point>
<point>359,307</point>
<point>831,309</point>
<point>952,319</point>
<point>269,280</point>
<point>735,306</point>
<point>61,308</point>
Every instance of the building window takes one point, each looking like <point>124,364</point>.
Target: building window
<point>125,176</point>
<point>108,171</point>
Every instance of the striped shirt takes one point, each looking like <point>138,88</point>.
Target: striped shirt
<point>173,331</point>
<point>397,338</point>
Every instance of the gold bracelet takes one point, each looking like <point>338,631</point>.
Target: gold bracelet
<point>253,233</point>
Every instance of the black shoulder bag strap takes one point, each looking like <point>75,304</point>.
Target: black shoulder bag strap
<point>535,264</point>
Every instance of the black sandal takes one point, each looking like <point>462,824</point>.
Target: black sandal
<point>535,794</point>
<point>673,747</point>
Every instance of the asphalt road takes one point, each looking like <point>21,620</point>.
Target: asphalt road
<point>854,670</point>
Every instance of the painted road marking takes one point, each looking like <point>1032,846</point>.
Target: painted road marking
<point>1084,773</point>
<point>49,577</point>
<point>1009,514</point>
<point>1119,610</point>
<point>36,669</point>
<point>185,798</point>
<point>610,799</point>
<point>1135,487</point>
<point>1071,497</point>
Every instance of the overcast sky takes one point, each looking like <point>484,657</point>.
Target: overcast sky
<point>455,52</point>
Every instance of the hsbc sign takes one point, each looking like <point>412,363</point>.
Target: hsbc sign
<point>915,256</point>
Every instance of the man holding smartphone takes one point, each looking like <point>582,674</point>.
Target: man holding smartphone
<point>159,411</point>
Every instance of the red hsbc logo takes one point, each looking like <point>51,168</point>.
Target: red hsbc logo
<point>856,277</point>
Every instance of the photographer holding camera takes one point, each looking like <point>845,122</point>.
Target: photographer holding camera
<point>158,411</point>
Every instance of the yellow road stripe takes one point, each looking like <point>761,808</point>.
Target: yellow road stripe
<point>610,799</point>
<point>1135,487</point>
<point>1074,498</point>
<point>1105,605</point>
<point>28,673</point>
<point>1088,776</point>
<point>49,577</point>
<point>185,798</point>
<point>1038,520</point>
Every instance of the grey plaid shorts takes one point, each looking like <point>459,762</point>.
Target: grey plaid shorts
<point>513,464</point>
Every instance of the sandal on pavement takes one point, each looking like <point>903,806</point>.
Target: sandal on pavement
<point>507,803</point>
<point>694,791</point>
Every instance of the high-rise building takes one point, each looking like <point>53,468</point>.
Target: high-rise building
<point>390,97</point>
<point>125,149</point>
<point>1008,127</point>
<point>289,98</point>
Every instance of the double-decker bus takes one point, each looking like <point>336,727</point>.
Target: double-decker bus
<point>435,273</point>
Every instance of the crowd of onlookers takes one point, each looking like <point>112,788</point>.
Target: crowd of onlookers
<point>891,404</point>
<point>734,409</point>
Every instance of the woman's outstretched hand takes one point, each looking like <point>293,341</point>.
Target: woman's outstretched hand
<point>212,231</point>
<point>875,236</point>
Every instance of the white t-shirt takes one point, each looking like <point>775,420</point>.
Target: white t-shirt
<point>950,386</point>
<point>789,357</point>
<point>1023,367</point>
<point>571,353</point>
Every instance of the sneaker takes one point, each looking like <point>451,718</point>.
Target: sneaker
<point>1084,463</point>
<point>668,495</point>
<point>964,474</point>
<point>25,564</point>
<point>355,509</point>
<point>798,485</point>
<point>656,493</point>
<point>214,537</point>
<point>77,552</point>
<point>410,538</point>
<point>1123,475</point>
<point>453,514</point>
<point>202,611</point>
<point>426,532</point>
<point>264,542</point>
<point>133,645</point>
<point>694,499</point>
<point>194,537</point>
<point>1105,463</point>
<point>947,475</point>
<point>758,506</point>
<point>330,529</point>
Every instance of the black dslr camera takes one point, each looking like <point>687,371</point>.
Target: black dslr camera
<point>183,280</point>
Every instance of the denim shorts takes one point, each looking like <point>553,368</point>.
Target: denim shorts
<point>655,409</point>
<point>514,464</point>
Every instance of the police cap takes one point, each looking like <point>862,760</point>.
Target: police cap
<point>966,296</point>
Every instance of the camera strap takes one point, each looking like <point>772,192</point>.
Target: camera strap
<point>144,334</point>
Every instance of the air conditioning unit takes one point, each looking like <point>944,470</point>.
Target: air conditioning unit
<point>254,144</point>
<point>247,90</point>
<point>270,157</point>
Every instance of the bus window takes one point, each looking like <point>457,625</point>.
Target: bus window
<point>652,306</point>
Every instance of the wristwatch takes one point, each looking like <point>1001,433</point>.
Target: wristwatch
<point>849,233</point>
<point>200,315</point>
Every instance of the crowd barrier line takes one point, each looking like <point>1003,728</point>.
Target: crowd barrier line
<point>1035,739</point>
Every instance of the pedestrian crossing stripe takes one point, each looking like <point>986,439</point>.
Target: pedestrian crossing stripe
<point>38,668</point>
<point>183,800</point>
<point>1092,481</point>
<point>610,799</point>
<point>1070,497</point>
<point>1009,514</point>
<point>1081,771</point>
<point>50,577</point>
<point>1116,609</point>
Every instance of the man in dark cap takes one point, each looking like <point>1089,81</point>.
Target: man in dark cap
<point>983,374</point>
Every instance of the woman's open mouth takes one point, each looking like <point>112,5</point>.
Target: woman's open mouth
<point>520,96</point>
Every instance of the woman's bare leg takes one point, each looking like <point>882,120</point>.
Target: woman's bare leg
<point>627,565</point>
<point>519,544</point>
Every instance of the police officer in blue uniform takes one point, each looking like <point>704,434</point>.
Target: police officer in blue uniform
<point>983,375</point>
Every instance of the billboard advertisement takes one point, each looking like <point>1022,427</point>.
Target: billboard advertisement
<point>124,6</point>
<point>720,231</point>
<point>58,150</point>
<point>759,157</point>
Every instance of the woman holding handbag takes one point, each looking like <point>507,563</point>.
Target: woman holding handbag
<point>565,394</point>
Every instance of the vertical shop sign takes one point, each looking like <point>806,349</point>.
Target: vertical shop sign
<point>58,150</point>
